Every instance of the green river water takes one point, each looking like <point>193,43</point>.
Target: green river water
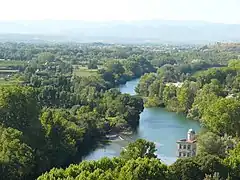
<point>157,125</point>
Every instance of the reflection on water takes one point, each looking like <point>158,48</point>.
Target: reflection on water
<point>157,125</point>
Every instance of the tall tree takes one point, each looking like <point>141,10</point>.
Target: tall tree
<point>222,116</point>
<point>16,157</point>
<point>140,148</point>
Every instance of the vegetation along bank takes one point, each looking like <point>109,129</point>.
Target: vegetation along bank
<point>57,103</point>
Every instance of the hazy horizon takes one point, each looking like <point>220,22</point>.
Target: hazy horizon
<point>116,21</point>
<point>122,20</point>
<point>214,11</point>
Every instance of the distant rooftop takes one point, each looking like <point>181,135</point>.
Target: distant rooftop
<point>186,140</point>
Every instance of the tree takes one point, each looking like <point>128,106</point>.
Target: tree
<point>233,162</point>
<point>210,143</point>
<point>143,86</point>
<point>92,65</point>
<point>115,67</point>
<point>46,57</point>
<point>138,65</point>
<point>234,63</point>
<point>62,135</point>
<point>222,116</point>
<point>210,164</point>
<point>203,97</point>
<point>215,176</point>
<point>169,98</point>
<point>16,157</point>
<point>140,148</point>
<point>19,109</point>
<point>116,168</point>
<point>144,168</point>
<point>168,73</point>
<point>186,95</point>
<point>186,169</point>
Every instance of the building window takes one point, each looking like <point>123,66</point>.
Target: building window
<point>184,154</point>
<point>188,154</point>
<point>180,154</point>
<point>189,147</point>
<point>184,147</point>
<point>180,146</point>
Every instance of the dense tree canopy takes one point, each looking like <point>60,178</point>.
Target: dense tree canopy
<point>141,148</point>
<point>129,166</point>
<point>58,100</point>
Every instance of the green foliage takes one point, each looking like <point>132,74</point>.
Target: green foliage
<point>223,116</point>
<point>46,57</point>
<point>212,177</point>
<point>141,168</point>
<point>141,148</point>
<point>102,169</point>
<point>16,157</point>
<point>144,168</point>
<point>210,164</point>
<point>138,66</point>
<point>168,73</point>
<point>135,163</point>
<point>62,135</point>
<point>144,83</point>
<point>186,169</point>
<point>210,143</point>
<point>92,65</point>
<point>203,96</point>
<point>79,107</point>
<point>185,96</point>
<point>20,110</point>
<point>59,136</point>
<point>233,162</point>
<point>115,67</point>
<point>169,97</point>
<point>234,63</point>
<point>18,107</point>
<point>153,102</point>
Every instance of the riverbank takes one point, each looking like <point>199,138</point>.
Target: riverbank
<point>157,125</point>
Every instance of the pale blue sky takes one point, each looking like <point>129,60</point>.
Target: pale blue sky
<point>226,11</point>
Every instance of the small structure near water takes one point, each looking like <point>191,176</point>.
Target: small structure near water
<point>112,136</point>
<point>187,147</point>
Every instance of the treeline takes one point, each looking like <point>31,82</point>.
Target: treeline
<point>36,137</point>
<point>139,162</point>
<point>61,89</point>
<point>64,58</point>
<point>119,72</point>
<point>54,121</point>
<point>82,54</point>
<point>55,118</point>
<point>211,96</point>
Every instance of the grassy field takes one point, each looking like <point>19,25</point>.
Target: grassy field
<point>3,82</point>
<point>84,71</point>
<point>6,63</point>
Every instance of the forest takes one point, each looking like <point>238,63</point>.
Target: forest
<point>58,101</point>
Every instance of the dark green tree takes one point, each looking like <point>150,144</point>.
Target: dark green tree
<point>140,148</point>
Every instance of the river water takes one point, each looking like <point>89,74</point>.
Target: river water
<point>157,125</point>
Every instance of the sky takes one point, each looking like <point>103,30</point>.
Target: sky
<point>220,11</point>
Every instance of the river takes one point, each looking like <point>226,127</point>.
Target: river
<point>157,125</point>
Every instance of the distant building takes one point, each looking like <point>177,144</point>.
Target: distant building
<point>187,147</point>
